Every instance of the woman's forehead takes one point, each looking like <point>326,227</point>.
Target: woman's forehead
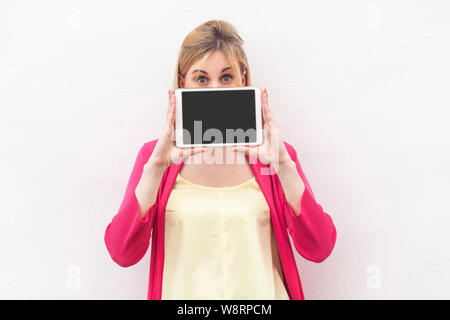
<point>212,63</point>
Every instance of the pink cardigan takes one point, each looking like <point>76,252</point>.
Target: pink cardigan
<point>127,237</point>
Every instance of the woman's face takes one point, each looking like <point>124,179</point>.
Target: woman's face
<point>212,71</point>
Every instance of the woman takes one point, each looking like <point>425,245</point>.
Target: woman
<point>220,230</point>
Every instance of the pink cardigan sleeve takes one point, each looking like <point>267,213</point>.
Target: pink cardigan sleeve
<point>127,236</point>
<point>312,230</point>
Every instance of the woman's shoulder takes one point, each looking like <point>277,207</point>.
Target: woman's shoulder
<point>147,147</point>
<point>150,144</point>
<point>290,149</point>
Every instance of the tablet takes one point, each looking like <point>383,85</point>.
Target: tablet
<point>227,116</point>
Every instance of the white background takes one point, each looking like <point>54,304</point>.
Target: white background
<point>360,88</point>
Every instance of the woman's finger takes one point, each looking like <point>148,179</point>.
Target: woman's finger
<point>240,149</point>
<point>198,150</point>
<point>170,122</point>
<point>187,152</point>
<point>262,107</point>
<point>266,112</point>
<point>248,150</point>
<point>172,109</point>
<point>168,107</point>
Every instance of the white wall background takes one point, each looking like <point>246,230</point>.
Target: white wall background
<point>360,88</point>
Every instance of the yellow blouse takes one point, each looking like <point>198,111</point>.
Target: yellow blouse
<point>220,244</point>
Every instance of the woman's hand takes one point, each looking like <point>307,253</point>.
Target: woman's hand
<point>166,152</point>
<point>272,151</point>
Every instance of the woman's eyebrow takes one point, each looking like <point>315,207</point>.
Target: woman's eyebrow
<point>197,70</point>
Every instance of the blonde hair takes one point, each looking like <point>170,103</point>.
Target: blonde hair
<point>208,37</point>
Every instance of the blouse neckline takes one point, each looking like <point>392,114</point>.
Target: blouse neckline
<point>237,186</point>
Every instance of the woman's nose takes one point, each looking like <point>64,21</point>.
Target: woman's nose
<point>214,84</point>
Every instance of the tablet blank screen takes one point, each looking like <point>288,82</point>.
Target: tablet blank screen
<point>217,111</point>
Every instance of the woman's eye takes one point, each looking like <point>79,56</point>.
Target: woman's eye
<point>201,78</point>
<point>225,76</point>
<point>229,76</point>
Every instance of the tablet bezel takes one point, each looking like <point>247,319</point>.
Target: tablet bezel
<point>179,118</point>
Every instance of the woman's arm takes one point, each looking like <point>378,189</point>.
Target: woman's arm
<point>147,188</point>
<point>292,184</point>
<point>128,234</point>
<point>312,230</point>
